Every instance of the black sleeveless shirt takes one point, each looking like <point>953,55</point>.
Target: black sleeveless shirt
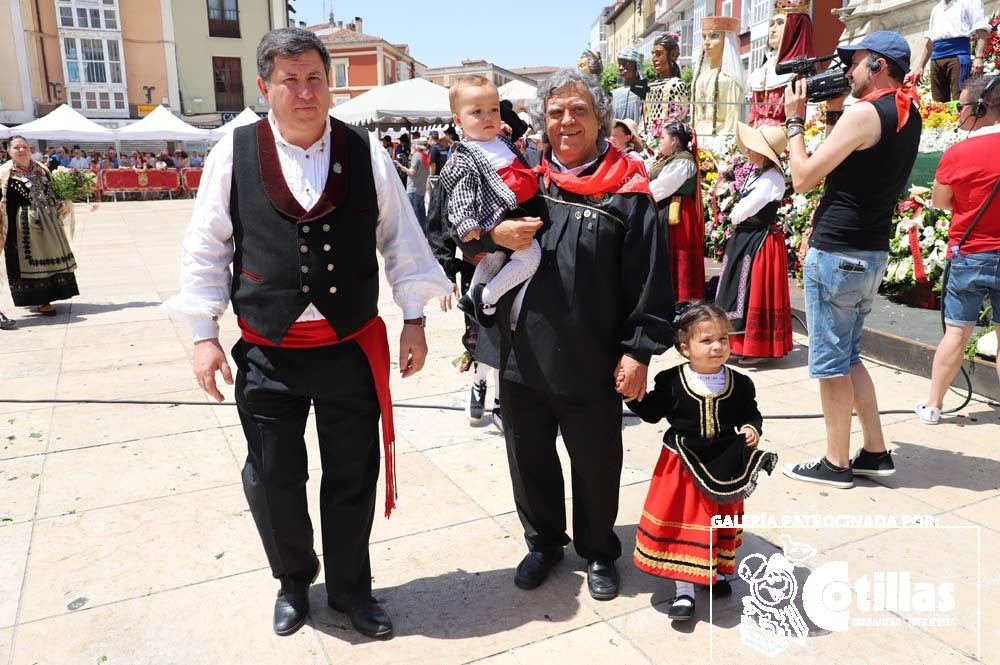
<point>861,193</point>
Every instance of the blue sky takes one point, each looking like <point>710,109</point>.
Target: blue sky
<point>523,33</point>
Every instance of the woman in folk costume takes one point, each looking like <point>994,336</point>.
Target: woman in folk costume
<point>719,80</point>
<point>753,284</point>
<point>669,95</point>
<point>674,179</point>
<point>38,258</point>
<point>708,465</point>
<point>789,36</point>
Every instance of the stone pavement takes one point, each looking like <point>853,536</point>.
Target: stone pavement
<point>125,536</point>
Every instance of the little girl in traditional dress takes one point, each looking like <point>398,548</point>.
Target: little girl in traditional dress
<point>708,465</point>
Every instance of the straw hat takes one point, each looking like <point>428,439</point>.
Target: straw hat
<point>628,124</point>
<point>768,141</point>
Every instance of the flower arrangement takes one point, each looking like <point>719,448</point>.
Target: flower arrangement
<point>991,55</point>
<point>73,185</point>
<point>919,246</point>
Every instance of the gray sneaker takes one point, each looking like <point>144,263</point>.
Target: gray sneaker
<point>821,471</point>
<point>872,464</point>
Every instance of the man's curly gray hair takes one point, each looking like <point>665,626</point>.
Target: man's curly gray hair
<point>569,77</point>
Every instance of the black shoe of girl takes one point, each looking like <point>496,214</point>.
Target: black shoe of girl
<point>476,295</point>
<point>681,611</point>
<point>5,323</point>
<point>466,306</point>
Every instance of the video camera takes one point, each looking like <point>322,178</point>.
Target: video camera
<point>820,86</point>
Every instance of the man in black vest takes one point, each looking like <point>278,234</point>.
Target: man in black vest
<point>298,204</point>
<point>866,161</point>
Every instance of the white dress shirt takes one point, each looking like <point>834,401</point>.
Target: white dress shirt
<point>769,186</point>
<point>206,273</point>
<point>956,18</point>
<point>670,178</point>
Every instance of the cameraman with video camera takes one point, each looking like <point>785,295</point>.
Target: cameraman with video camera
<point>866,161</point>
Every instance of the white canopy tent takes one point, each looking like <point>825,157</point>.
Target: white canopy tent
<point>65,124</point>
<point>246,117</point>
<point>412,102</point>
<point>519,93</point>
<point>162,125</point>
<point>4,132</point>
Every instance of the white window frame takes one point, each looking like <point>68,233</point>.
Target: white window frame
<point>758,11</point>
<point>402,71</point>
<point>103,99</point>
<point>102,7</point>
<point>726,9</point>
<point>697,14</point>
<point>347,73</point>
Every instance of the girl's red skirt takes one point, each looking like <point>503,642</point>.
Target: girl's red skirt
<point>674,539</point>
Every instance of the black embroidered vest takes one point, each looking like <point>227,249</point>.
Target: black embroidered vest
<point>287,257</point>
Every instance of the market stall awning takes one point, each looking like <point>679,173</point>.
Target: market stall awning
<point>412,102</point>
<point>65,124</point>
<point>246,117</point>
<point>518,92</point>
<point>162,125</point>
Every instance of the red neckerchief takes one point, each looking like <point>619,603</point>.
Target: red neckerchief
<point>521,180</point>
<point>616,174</point>
<point>905,94</point>
<point>425,158</point>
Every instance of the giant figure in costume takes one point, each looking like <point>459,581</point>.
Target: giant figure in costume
<point>668,95</point>
<point>789,36</point>
<point>629,97</point>
<point>719,81</point>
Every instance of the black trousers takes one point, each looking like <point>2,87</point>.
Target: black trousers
<point>593,437</point>
<point>274,390</point>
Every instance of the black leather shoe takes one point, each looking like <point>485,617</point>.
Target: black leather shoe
<point>292,606</point>
<point>722,589</point>
<point>535,567</point>
<point>472,304</point>
<point>367,617</point>
<point>602,580</point>
<point>681,611</point>
<point>5,323</point>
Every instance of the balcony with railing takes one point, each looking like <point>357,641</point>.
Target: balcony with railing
<point>223,22</point>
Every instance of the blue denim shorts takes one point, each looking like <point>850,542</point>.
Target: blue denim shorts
<point>839,289</point>
<point>970,278</point>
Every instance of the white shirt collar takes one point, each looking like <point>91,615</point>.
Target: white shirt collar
<point>280,140</point>
<point>983,131</point>
<point>602,146</point>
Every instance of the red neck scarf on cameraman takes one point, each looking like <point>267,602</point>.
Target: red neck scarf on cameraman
<point>905,94</point>
<point>616,174</point>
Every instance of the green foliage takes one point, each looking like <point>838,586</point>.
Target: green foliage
<point>648,72</point>
<point>687,74</point>
<point>609,77</point>
<point>73,185</point>
<point>971,347</point>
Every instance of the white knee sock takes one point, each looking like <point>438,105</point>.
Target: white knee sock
<point>684,589</point>
<point>522,265</point>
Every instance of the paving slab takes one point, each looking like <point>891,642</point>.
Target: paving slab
<point>126,533</point>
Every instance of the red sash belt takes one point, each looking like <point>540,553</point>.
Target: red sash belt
<point>374,342</point>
